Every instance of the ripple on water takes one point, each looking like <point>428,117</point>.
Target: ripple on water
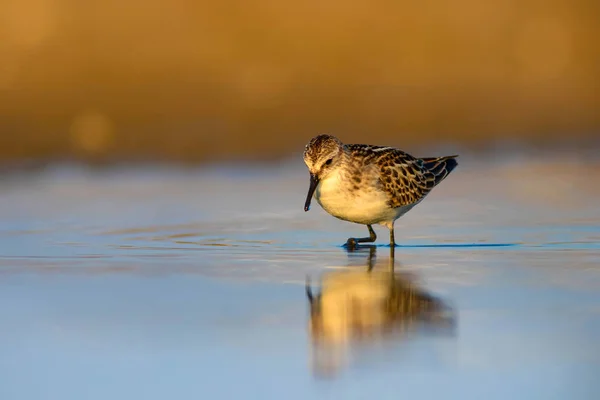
<point>134,276</point>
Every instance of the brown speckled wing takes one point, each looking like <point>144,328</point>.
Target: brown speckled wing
<point>406,179</point>
<point>403,178</point>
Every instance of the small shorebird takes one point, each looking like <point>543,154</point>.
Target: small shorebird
<point>369,184</point>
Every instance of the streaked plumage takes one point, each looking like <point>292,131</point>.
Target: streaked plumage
<point>369,184</point>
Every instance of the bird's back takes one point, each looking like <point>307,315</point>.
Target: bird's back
<point>406,179</point>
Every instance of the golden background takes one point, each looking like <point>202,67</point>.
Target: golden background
<point>198,80</point>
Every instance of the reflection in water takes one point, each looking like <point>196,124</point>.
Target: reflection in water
<point>361,308</point>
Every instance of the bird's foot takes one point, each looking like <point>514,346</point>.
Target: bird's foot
<point>351,244</point>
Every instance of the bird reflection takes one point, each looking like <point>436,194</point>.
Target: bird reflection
<point>366,307</point>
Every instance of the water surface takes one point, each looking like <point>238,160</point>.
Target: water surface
<point>165,283</point>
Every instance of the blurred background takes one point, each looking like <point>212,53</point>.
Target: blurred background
<point>159,246</point>
<point>195,81</point>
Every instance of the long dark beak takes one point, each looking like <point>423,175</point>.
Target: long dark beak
<point>314,181</point>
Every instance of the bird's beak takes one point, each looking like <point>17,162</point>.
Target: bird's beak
<point>314,181</point>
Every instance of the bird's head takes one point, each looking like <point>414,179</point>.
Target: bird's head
<point>321,155</point>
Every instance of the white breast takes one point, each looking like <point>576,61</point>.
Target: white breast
<point>368,205</point>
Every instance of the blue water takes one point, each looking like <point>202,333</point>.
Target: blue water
<point>155,283</point>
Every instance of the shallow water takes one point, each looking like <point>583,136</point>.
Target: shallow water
<point>164,283</point>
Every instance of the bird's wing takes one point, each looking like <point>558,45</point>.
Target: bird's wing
<point>405,179</point>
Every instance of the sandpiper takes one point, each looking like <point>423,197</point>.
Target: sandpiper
<point>369,184</point>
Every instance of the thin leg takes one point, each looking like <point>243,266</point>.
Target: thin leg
<point>392,241</point>
<point>353,242</point>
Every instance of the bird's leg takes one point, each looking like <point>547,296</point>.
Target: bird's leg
<point>392,241</point>
<point>353,242</point>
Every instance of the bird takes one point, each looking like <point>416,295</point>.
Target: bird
<point>368,184</point>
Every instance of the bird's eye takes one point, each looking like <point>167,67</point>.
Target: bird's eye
<point>328,162</point>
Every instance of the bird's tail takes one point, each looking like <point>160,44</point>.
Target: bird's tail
<point>440,167</point>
